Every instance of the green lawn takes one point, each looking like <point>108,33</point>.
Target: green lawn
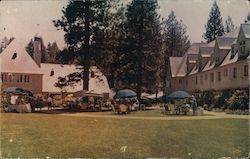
<point>57,136</point>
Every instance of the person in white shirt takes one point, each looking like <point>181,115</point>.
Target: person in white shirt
<point>49,103</point>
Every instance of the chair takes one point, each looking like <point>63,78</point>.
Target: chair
<point>166,109</point>
<point>172,109</point>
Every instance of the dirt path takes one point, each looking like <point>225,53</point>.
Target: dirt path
<point>213,115</point>
<point>224,115</point>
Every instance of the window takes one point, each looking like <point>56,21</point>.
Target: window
<point>212,77</point>
<point>14,56</point>
<point>17,78</point>
<point>2,77</point>
<point>234,72</point>
<point>10,78</point>
<point>52,72</point>
<point>21,78</point>
<point>243,47</point>
<point>219,76</point>
<point>5,78</point>
<point>180,81</point>
<point>201,80</point>
<point>245,71</point>
<point>196,80</point>
<point>205,76</point>
<point>225,72</point>
<point>217,59</point>
<point>28,79</point>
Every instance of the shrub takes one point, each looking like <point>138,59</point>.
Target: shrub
<point>239,100</point>
<point>205,98</point>
<point>220,99</point>
<point>39,103</point>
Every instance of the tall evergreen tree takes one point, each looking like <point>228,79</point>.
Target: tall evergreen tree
<point>214,26</point>
<point>139,52</point>
<point>5,42</point>
<point>81,22</point>
<point>176,43</point>
<point>229,25</point>
<point>52,53</point>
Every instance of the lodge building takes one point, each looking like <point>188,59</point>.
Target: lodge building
<point>222,64</point>
<point>19,69</point>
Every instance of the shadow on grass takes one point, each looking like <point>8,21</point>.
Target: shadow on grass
<point>64,111</point>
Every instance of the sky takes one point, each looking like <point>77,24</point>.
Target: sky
<point>23,19</point>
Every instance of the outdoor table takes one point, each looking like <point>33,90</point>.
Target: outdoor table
<point>20,108</point>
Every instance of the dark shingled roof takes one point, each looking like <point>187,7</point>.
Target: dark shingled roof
<point>246,29</point>
<point>225,43</point>
<point>194,48</point>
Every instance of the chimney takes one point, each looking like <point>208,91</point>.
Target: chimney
<point>37,50</point>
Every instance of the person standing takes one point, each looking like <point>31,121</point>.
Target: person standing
<point>49,102</point>
<point>194,105</point>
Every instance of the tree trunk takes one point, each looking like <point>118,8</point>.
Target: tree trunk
<point>165,76</point>
<point>86,63</point>
<point>140,53</point>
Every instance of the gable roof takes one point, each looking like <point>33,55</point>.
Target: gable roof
<point>210,65</point>
<point>174,65</point>
<point>178,66</point>
<point>225,43</point>
<point>182,69</point>
<point>15,59</point>
<point>211,44</point>
<point>97,84</point>
<point>232,34</point>
<point>194,70</point>
<point>228,59</point>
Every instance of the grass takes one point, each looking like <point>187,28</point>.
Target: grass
<point>57,136</point>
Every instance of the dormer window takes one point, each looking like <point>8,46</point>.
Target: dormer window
<point>243,48</point>
<point>52,72</point>
<point>14,56</point>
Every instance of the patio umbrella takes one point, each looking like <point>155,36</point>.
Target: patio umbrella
<point>29,93</point>
<point>125,93</point>
<point>15,90</point>
<point>179,95</point>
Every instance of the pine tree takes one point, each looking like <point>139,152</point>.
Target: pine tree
<point>214,26</point>
<point>176,43</point>
<point>139,52</point>
<point>5,42</point>
<point>229,25</point>
<point>81,22</point>
<point>175,39</point>
<point>52,53</point>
